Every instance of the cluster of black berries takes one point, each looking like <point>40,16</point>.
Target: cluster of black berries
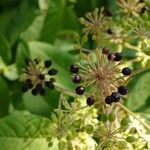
<point>122,90</point>
<point>115,96</point>
<point>77,80</point>
<point>37,76</point>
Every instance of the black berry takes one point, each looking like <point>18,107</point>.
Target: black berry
<point>52,80</point>
<point>126,71</point>
<point>24,88</point>
<point>105,50</point>
<point>108,13</point>
<point>123,90</point>
<point>74,68</point>
<point>41,77</point>
<point>110,56</point>
<point>143,10</point>
<point>141,1</point>
<point>27,61</point>
<point>42,91</point>
<point>108,100</point>
<point>115,97</point>
<point>29,81</point>
<point>109,31</point>
<point>34,91</point>
<point>76,79</point>
<point>80,90</point>
<point>49,84</point>
<point>48,63</point>
<point>39,86</point>
<point>36,61</point>
<point>30,85</point>
<point>52,72</point>
<point>90,101</point>
<point>118,56</point>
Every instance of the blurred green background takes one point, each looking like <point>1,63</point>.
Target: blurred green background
<point>45,29</point>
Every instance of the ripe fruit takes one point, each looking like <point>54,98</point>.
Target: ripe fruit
<point>126,71</point>
<point>110,56</point>
<point>27,61</point>
<point>34,91</point>
<point>39,86</point>
<point>47,63</point>
<point>74,68</point>
<point>115,97</point>
<point>90,101</point>
<point>52,72</point>
<point>108,13</point>
<point>49,84</point>
<point>118,56</point>
<point>42,91</point>
<point>30,85</point>
<point>76,79</point>
<point>41,77</point>
<point>52,80</point>
<point>80,90</point>
<point>105,50</point>
<point>109,31</point>
<point>108,100</point>
<point>24,88</point>
<point>28,81</point>
<point>123,90</point>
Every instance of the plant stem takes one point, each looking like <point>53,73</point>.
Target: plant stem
<point>64,90</point>
<point>134,115</point>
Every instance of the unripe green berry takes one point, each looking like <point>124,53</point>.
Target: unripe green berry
<point>124,122</point>
<point>111,117</point>
<point>89,128</point>
<point>131,139</point>
<point>104,117</point>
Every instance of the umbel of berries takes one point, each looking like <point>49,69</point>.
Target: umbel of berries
<point>38,76</point>
<point>99,77</point>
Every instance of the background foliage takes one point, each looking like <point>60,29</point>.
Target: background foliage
<point>44,28</point>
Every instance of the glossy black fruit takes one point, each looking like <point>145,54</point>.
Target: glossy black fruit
<point>52,72</point>
<point>126,71</point>
<point>41,77</point>
<point>115,97</point>
<point>105,50</point>
<point>118,56</point>
<point>48,63</point>
<point>76,79</point>
<point>90,101</point>
<point>74,68</point>
<point>34,91</point>
<point>80,90</point>
<point>123,90</point>
<point>108,100</point>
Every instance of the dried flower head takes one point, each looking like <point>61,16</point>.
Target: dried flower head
<point>101,77</point>
<point>37,76</point>
<point>94,23</point>
<point>131,7</point>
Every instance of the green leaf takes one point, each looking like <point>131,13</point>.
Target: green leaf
<point>59,17</point>
<point>33,32</point>
<point>21,20</point>
<point>10,72</point>
<point>5,51</point>
<point>4,98</point>
<point>139,95</point>
<point>41,105</point>
<point>22,54</point>
<point>22,130</point>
